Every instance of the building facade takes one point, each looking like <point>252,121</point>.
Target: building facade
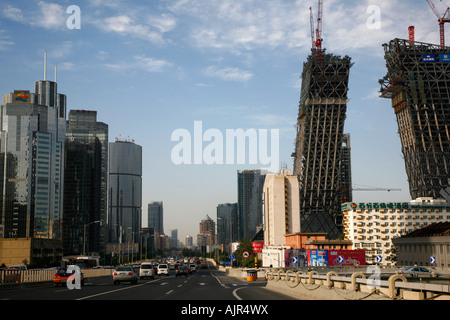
<point>32,142</point>
<point>318,147</point>
<point>125,191</point>
<point>281,207</point>
<point>374,226</point>
<point>85,183</point>
<point>250,209</point>
<point>226,223</point>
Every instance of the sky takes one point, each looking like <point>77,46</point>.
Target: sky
<point>158,70</point>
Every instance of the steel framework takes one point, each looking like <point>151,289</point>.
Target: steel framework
<point>319,142</point>
<point>418,84</point>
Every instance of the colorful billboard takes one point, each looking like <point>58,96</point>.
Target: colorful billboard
<point>346,257</point>
<point>317,257</point>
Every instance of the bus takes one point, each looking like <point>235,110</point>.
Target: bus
<point>84,262</point>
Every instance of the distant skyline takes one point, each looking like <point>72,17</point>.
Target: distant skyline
<point>150,68</point>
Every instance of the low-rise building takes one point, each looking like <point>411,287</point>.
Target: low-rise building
<point>373,225</point>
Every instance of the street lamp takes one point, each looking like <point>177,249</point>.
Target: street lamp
<point>84,235</point>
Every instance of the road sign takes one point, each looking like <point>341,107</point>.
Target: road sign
<point>433,260</point>
<point>232,257</point>
<point>379,258</point>
<point>245,254</point>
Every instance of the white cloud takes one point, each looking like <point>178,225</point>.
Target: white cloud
<point>228,74</point>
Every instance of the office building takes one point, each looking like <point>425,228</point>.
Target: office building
<point>372,226</point>
<point>125,191</point>
<point>227,223</point>
<point>85,183</point>
<point>281,207</point>
<point>32,139</point>
<point>250,198</point>
<point>155,216</point>
<point>417,83</point>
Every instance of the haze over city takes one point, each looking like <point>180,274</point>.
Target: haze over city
<point>150,68</point>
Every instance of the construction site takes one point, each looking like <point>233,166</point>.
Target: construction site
<point>418,83</point>
<point>318,156</point>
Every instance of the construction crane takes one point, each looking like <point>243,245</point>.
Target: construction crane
<point>442,20</point>
<point>316,35</point>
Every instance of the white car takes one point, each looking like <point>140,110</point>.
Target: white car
<point>146,270</point>
<point>163,269</point>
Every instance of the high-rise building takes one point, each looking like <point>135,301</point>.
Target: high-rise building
<point>417,82</point>
<point>227,223</point>
<point>207,234</point>
<point>33,129</point>
<point>250,198</point>
<point>156,216</point>
<point>125,191</point>
<point>281,207</point>
<point>85,183</point>
<point>318,146</point>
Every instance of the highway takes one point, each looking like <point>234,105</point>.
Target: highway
<point>204,284</point>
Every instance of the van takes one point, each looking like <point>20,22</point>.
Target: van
<point>163,269</point>
<point>146,270</point>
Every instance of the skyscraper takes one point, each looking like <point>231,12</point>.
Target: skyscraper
<point>250,197</point>
<point>227,223</point>
<point>85,183</point>
<point>318,146</point>
<point>418,82</point>
<point>156,216</point>
<point>33,130</point>
<point>125,191</point>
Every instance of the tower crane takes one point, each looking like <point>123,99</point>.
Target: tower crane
<point>442,20</point>
<point>316,35</point>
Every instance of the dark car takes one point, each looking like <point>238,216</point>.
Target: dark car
<point>182,271</point>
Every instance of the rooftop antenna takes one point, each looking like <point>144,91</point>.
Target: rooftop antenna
<point>45,65</point>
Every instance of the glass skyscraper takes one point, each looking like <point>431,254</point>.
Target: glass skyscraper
<point>125,191</point>
<point>33,129</point>
<point>85,183</point>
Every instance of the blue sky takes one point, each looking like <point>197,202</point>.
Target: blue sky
<point>151,67</point>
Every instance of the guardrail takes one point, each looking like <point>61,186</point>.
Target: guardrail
<point>357,286</point>
<point>30,276</point>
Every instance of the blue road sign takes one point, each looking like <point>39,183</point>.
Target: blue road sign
<point>432,259</point>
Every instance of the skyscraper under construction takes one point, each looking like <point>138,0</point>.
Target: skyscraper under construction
<point>418,83</point>
<point>320,136</point>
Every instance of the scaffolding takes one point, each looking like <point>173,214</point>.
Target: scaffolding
<point>418,83</point>
<point>319,142</point>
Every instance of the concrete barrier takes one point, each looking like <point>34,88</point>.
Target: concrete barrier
<point>357,286</point>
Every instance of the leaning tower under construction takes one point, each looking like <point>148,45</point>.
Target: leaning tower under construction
<point>319,149</point>
<point>418,83</point>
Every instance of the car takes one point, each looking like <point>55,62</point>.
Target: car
<point>182,271</point>
<point>416,271</point>
<point>193,267</point>
<point>63,274</point>
<point>125,274</point>
<point>146,270</point>
<point>163,268</point>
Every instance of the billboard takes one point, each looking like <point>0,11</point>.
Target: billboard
<point>317,257</point>
<point>428,58</point>
<point>346,257</point>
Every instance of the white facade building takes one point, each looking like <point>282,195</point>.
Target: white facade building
<point>372,225</point>
<point>281,207</point>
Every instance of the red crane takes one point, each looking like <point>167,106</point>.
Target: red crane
<point>316,35</point>
<point>445,18</point>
